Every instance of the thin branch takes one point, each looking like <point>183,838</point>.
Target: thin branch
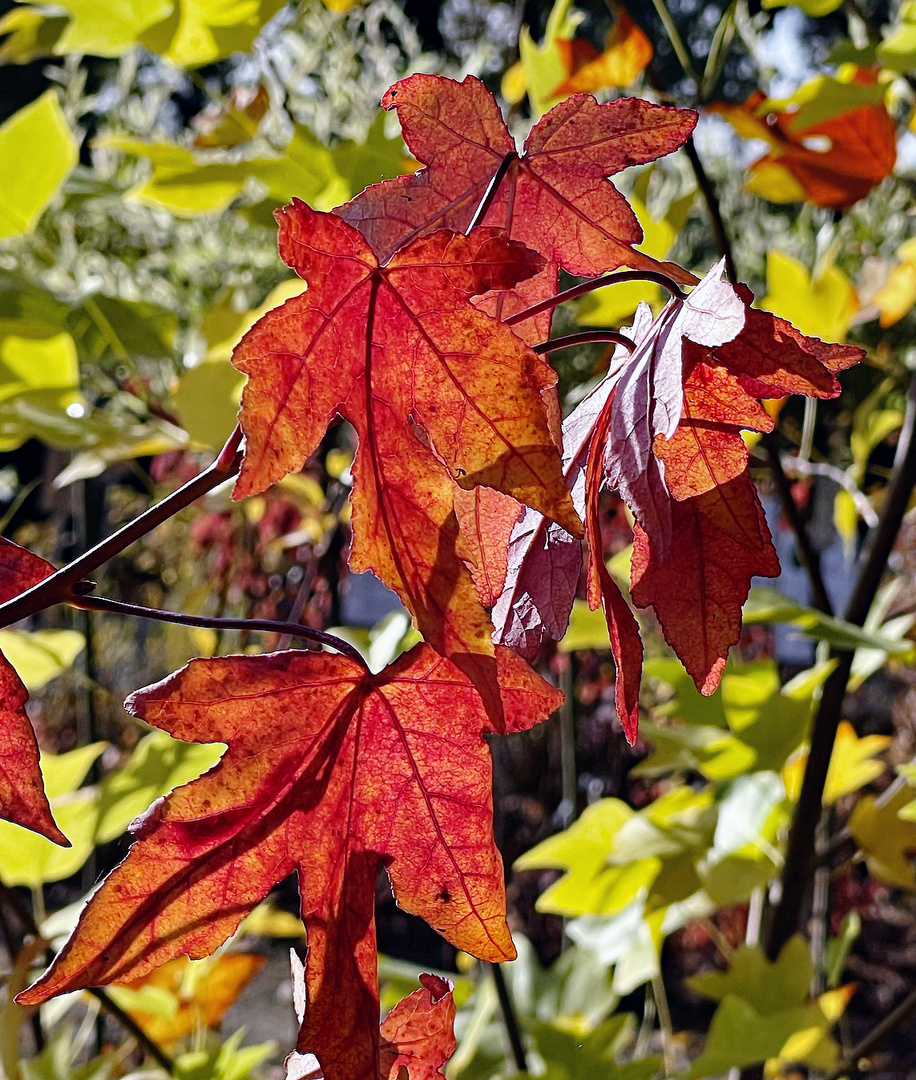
<point>874,1038</point>
<point>490,194</point>
<point>597,283</point>
<point>807,553</point>
<point>103,603</point>
<point>149,1044</point>
<point>799,865</point>
<point>58,588</point>
<point>513,1031</point>
<point>585,337</point>
<point>708,191</point>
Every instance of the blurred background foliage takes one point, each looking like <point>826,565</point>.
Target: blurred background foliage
<point>146,145</point>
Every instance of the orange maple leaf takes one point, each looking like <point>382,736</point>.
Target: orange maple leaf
<point>330,771</point>
<point>22,794</point>
<point>860,150</point>
<point>439,393</point>
<point>626,55</point>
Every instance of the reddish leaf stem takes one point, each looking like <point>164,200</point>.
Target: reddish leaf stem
<point>490,194</point>
<point>598,283</point>
<point>58,588</point>
<point>103,603</point>
<point>585,337</point>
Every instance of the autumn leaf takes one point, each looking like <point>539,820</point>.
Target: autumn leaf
<point>418,1036</point>
<point>330,771</point>
<point>439,393</point>
<point>555,197</point>
<point>419,1032</point>
<point>22,794</point>
<point>723,541</point>
<point>627,52</point>
<point>200,997</point>
<point>830,144</point>
<point>663,429</point>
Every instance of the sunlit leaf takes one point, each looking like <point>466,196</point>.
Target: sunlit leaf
<point>39,141</point>
<point>336,772</point>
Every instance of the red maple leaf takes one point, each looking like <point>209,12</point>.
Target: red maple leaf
<point>439,393</point>
<point>555,197</point>
<point>333,772</point>
<point>663,429</point>
<point>22,794</point>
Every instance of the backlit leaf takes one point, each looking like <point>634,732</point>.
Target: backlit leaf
<point>822,306</point>
<point>830,144</point>
<point>887,840</point>
<point>200,991</point>
<point>555,197</point>
<point>626,55</point>
<point>22,796</point>
<point>439,394</point>
<point>332,771</point>
<point>39,140</point>
<point>852,764</point>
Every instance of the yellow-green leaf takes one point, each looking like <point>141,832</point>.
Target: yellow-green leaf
<point>852,764</point>
<point>822,306</point>
<point>885,839</point>
<point>41,655</point>
<point>39,152</point>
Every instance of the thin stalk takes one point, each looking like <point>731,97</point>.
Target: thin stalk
<point>677,42</point>
<point>708,191</point>
<point>799,865</point>
<point>58,587</point>
<point>150,1045</point>
<point>877,1035</point>
<point>585,337</point>
<point>807,553</point>
<point>513,1031</point>
<point>721,39</point>
<point>664,1023</point>
<point>597,283</point>
<point>490,194</point>
<point>103,603</point>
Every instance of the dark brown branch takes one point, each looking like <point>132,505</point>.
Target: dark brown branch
<point>799,864</point>
<point>103,603</point>
<point>58,588</point>
<point>513,1031</point>
<point>585,337</point>
<point>708,191</point>
<point>807,554</point>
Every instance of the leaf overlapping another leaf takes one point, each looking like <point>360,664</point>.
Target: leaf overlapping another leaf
<point>335,773</point>
<point>663,430</point>
<point>555,197</point>
<point>439,393</point>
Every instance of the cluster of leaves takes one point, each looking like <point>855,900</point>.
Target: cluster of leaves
<point>446,400</point>
<point>423,322</point>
